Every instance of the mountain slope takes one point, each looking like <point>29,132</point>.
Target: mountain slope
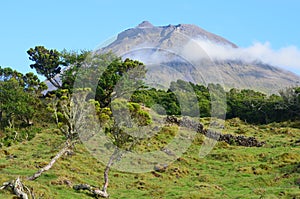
<point>165,49</point>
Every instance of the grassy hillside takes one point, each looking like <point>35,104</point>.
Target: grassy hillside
<point>228,171</point>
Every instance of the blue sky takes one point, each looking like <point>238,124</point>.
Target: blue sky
<point>78,24</point>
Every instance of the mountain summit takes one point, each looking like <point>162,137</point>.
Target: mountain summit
<point>145,24</point>
<point>170,36</point>
<point>181,48</point>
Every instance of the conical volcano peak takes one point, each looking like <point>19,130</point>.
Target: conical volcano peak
<point>145,24</point>
<point>149,43</point>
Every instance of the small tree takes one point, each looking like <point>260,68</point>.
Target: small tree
<point>124,132</point>
<point>117,83</point>
<point>122,123</point>
<point>67,111</point>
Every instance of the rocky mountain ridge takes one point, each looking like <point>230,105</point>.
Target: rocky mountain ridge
<point>165,49</point>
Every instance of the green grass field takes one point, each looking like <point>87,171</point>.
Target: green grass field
<point>228,171</point>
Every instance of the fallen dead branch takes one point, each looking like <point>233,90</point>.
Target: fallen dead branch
<point>18,188</point>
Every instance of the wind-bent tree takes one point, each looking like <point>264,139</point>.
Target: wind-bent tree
<point>67,111</point>
<point>115,87</point>
<point>122,122</point>
<point>48,63</point>
<point>123,118</point>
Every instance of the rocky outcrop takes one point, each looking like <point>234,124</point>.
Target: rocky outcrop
<point>228,138</point>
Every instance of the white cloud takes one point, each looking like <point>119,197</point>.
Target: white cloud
<point>286,57</point>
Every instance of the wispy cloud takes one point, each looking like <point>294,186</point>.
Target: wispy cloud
<point>287,57</point>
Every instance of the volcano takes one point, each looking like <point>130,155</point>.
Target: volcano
<point>175,52</point>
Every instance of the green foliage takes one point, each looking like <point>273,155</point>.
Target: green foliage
<point>123,79</point>
<point>256,107</point>
<point>19,97</point>
<point>117,80</point>
<point>73,61</point>
<point>46,62</point>
<point>246,104</point>
<point>29,81</point>
<point>114,77</point>
<point>127,118</point>
<point>195,99</point>
<point>126,74</point>
<point>291,101</point>
<point>14,136</point>
<point>249,105</point>
<point>69,111</point>
<point>103,114</point>
<point>164,102</point>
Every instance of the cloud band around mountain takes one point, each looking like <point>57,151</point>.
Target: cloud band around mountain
<point>287,58</point>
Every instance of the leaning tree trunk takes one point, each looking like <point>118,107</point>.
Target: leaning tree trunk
<point>51,163</point>
<point>95,191</point>
<point>106,171</point>
<point>107,168</point>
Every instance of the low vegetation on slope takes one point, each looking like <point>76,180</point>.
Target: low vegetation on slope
<point>228,171</point>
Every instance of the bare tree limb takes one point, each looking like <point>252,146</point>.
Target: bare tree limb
<point>107,168</point>
<point>51,163</point>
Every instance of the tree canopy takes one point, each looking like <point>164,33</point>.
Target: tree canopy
<point>19,97</point>
<point>48,63</point>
